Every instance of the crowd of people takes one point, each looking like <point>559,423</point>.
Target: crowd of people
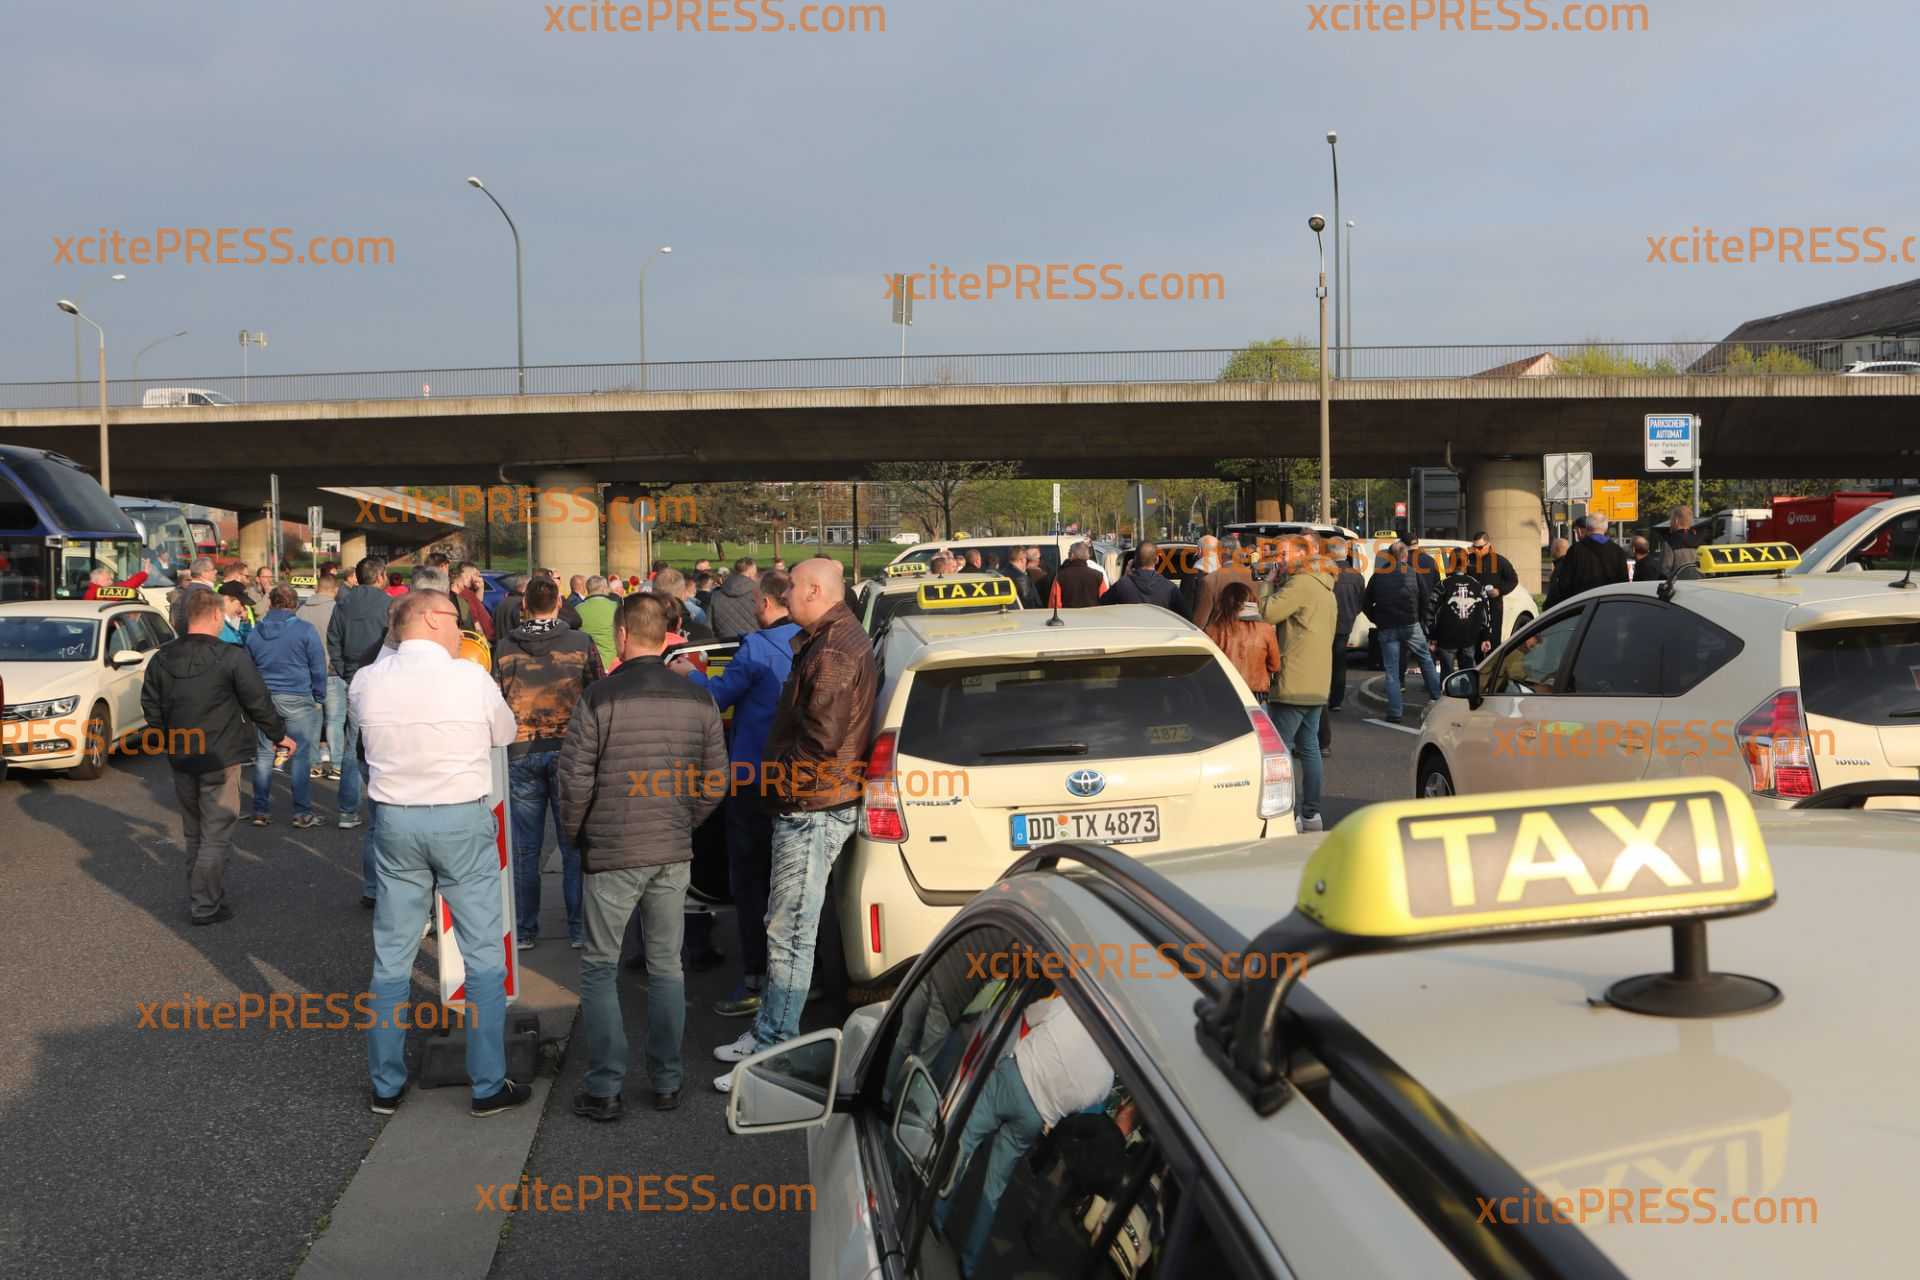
<point>576,690</point>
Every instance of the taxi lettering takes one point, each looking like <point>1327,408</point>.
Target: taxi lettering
<point>1563,854</point>
<point>115,593</point>
<point>1748,557</point>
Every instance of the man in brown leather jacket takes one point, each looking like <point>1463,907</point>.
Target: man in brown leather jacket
<point>814,775</point>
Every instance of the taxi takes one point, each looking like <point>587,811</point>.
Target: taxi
<point>1620,1030</point>
<point>908,594</point>
<point>1780,683</point>
<point>996,734</point>
<point>994,551</point>
<point>73,671</point>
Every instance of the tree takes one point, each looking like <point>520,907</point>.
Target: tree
<point>1605,362</point>
<point>1772,360</point>
<point>726,512</point>
<point>1274,360</point>
<point>928,491</point>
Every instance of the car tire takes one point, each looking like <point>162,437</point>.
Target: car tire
<point>1435,780</point>
<point>94,762</point>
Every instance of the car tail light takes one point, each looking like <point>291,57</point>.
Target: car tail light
<point>1778,749</point>
<point>873,927</point>
<point>880,817</point>
<point>1276,767</point>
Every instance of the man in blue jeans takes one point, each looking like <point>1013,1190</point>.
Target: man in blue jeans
<point>431,723</point>
<point>542,666</point>
<point>751,685</point>
<point>815,758</point>
<point>293,663</point>
<point>1304,611</point>
<point>1398,595</point>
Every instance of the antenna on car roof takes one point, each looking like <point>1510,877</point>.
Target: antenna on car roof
<point>1906,583</point>
<point>1666,588</point>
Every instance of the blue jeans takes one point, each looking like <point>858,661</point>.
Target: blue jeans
<point>1391,638</point>
<point>346,752</point>
<point>804,848</point>
<point>749,866</point>
<point>1300,729</point>
<point>302,715</point>
<point>661,894</point>
<point>450,846</point>
<point>531,780</point>
<point>336,712</point>
<point>1005,1112</point>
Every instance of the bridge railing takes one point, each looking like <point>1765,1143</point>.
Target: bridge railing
<point>1286,362</point>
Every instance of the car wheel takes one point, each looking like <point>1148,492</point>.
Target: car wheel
<point>94,762</point>
<point>1435,779</point>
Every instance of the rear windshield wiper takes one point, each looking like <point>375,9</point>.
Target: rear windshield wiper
<point>1041,749</point>
<point>1911,713</point>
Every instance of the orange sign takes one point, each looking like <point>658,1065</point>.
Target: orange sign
<point>1617,500</point>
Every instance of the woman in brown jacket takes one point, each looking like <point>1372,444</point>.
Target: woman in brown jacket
<point>1248,642</point>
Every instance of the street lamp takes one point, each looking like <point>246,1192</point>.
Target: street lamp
<point>82,301</point>
<point>665,248</point>
<point>106,477</point>
<point>1317,224</point>
<point>150,346</point>
<point>519,311</point>
<point>1346,287</point>
<point>1333,149</point>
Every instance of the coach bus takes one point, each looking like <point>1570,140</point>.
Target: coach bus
<point>57,525</point>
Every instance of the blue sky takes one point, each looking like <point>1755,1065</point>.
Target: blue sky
<point>1503,184</point>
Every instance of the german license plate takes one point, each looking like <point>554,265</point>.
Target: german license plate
<point>1134,824</point>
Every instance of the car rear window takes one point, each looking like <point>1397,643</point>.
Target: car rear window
<point>1865,675</point>
<point>1114,706</point>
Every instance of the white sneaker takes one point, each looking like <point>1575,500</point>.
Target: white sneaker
<point>736,1050</point>
<point>1315,823</point>
<point>723,1084</point>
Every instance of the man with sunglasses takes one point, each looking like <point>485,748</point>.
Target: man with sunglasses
<point>428,726</point>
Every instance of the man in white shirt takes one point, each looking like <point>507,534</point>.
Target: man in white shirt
<point>428,725</point>
<point>1055,1070</point>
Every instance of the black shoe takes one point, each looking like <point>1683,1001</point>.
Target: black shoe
<point>1392,719</point>
<point>593,1108</point>
<point>387,1106</point>
<point>367,902</point>
<point>506,1098</point>
<point>221,915</point>
<point>666,1101</point>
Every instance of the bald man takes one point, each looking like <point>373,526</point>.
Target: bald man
<point>815,756</point>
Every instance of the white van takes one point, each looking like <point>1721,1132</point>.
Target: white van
<point>181,397</point>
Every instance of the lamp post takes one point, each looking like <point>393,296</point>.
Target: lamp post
<point>665,248</point>
<point>1346,287</point>
<point>1317,224</point>
<point>106,475</point>
<point>150,346</point>
<point>81,300</point>
<point>1333,149</point>
<point>519,309</point>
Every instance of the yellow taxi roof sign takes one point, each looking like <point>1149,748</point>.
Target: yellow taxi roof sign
<point>906,568</point>
<point>1748,557</point>
<point>303,580</point>
<point>115,593</point>
<point>1552,860</point>
<point>974,592</point>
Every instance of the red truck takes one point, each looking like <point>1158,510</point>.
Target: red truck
<point>1804,521</point>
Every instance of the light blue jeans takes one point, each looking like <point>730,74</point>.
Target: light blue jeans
<point>302,715</point>
<point>804,848</point>
<point>1300,729</point>
<point>661,895</point>
<point>336,713</point>
<point>1415,638</point>
<point>451,846</point>
<point>1004,1112</point>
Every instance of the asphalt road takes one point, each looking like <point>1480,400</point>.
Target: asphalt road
<point>206,1154</point>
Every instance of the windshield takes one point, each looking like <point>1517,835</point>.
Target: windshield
<point>47,639</point>
<point>73,499</point>
<point>166,541</point>
<point>1866,542</point>
<point>78,559</point>
<point>23,569</point>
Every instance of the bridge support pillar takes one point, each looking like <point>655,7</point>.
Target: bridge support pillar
<point>566,523</point>
<point>256,539</point>
<point>626,545</point>
<point>353,549</point>
<point>1503,497</point>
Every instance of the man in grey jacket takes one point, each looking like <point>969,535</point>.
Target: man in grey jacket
<point>733,605</point>
<point>644,763</point>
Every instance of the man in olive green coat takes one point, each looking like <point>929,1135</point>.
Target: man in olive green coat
<point>1303,612</point>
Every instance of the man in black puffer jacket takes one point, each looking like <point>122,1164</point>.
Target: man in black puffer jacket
<point>1144,583</point>
<point>205,698</point>
<point>643,764</point>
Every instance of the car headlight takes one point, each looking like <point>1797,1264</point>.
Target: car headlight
<point>43,710</point>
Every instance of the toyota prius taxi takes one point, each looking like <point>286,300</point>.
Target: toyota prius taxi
<point>998,733</point>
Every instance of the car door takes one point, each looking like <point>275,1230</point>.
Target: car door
<point>1498,742</point>
<point>121,685</point>
<point>1602,723</point>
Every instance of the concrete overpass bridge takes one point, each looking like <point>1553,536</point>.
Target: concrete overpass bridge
<point>1492,410</point>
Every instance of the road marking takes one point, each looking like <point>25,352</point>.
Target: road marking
<point>1397,728</point>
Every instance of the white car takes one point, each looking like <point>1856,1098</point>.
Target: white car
<point>1884,536</point>
<point>182,398</point>
<point>1781,684</point>
<point>1883,369</point>
<point>1053,549</point>
<point>72,672</point>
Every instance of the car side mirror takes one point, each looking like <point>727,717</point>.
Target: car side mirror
<point>1463,684</point>
<point>790,1086</point>
<point>127,658</point>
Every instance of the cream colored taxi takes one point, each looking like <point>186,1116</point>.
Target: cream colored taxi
<point>996,734</point>
<point>1783,684</point>
<point>72,672</point>
<point>901,595</point>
